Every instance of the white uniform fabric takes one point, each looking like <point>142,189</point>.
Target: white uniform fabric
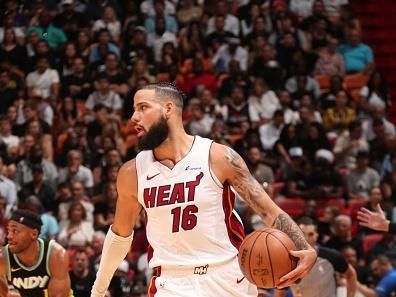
<point>190,223</point>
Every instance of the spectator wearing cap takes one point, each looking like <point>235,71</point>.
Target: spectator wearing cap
<point>232,50</point>
<point>159,9</point>
<point>47,31</point>
<point>45,79</point>
<point>103,46</point>
<point>69,20</point>
<point>357,55</point>
<point>362,179</point>
<point>7,190</point>
<point>40,188</point>
<point>348,144</point>
<point>159,37</point>
<point>82,276</point>
<point>50,227</point>
<point>231,23</point>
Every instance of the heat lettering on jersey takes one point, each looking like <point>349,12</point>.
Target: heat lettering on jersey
<point>171,194</point>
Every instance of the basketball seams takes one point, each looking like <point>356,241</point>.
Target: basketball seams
<point>269,258</point>
<point>281,242</point>
<point>250,254</point>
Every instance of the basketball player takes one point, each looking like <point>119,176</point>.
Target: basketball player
<point>34,267</point>
<point>185,185</point>
<point>375,220</point>
<point>322,276</point>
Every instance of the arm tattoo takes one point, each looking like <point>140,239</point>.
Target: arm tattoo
<point>249,188</point>
<point>284,223</point>
<point>245,184</point>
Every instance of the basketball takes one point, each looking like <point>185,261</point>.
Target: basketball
<point>264,257</point>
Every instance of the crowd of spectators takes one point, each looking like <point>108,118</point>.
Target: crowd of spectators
<point>271,78</point>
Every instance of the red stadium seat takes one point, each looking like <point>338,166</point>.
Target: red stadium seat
<point>370,240</point>
<point>277,188</point>
<point>354,206</point>
<point>292,206</point>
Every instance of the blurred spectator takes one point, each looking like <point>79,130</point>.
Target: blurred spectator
<point>68,54</point>
<point>103,46</point>
<point>270,132</point>
<point>342,235</point>
<point>266,66</point>
<point>287,140</point>
<point>332,7</point>
<point>189,12</point>
<point>302,9</point>
<point>159,9</point>
<point>23,174</point>
<point>11,51</point>
<point>6,136</point>
<point>328,98</point>
<point>301,83</point>
<point>81,276</point>
<point>262,103</point>
<point>199,78</point>
<point>237,108</point>
<point>362,179</point>
<point>75,171</point>
<point>110,22</point>
<point>232,50</point>
<point>348,144</point>
<point>68,115</point>
<point>83,43</point>
<point>316,141</point>
<point>286,106</point>
<point>230,21</point>
<point>326,222</point>
<point>45,79</point>
<point>357,55</point>
<point>383,270</point>
<point>47,31</point>
<point>378,114</point>
<point>200,122</point>
<point>147,7</point>
<point>337,119</point>
<point>43,107</point>
<point>362,271</point>
<point>330,62</point>
<point>386,246</point>
<point>8,91</point>
<point>116,75</point>
<point>39,188</point>
<point>36,129</point>
<point>140,69</point>
<point>235,76</point>
<point>380,145</point>
<point>3,218</point>
<point>75,230</point>
<point>255,23</point>
<point>69,20</point>
<point>96,250</point>
<point>104,95</point>
<point>120,284</point>
<point>95,9</point>
<point>105,207</point>
<point>375,94</point>
<point>49,228</point>
<point>7,190</point>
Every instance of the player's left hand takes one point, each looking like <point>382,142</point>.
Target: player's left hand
<point>306,260</point>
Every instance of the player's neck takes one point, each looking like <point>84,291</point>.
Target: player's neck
<point>174,148</point>
<point>30,256</point>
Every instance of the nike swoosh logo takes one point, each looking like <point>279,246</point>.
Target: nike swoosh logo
<point>240,280</point>
<point>15,269</point>
<point>151,177</point>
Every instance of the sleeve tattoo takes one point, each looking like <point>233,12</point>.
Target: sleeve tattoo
<point>249,188</point>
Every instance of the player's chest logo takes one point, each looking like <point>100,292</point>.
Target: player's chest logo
<point>171,194</point>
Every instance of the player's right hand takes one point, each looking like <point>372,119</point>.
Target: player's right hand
<point>373,220</point>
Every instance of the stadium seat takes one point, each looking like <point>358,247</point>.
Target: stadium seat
<point>293,206</point>
<point>355,81</point>
<point>277,188</point>
<point>323,81</point>
<point>354,206</point>
<point>370,240</point>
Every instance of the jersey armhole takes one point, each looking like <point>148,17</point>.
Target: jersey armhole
<point>50,247</point>
<point>212,174</point>
<point>7,254</point>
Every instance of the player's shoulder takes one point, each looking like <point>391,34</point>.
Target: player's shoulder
<point>129,166</point>
<point>56,250</point>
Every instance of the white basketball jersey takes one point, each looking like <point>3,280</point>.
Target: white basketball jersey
<point>190,217</point>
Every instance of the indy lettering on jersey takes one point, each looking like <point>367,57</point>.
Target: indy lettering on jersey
<point>171,194</point>
<point>30,282</point>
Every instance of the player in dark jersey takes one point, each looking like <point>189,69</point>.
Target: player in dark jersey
<point>34,267</point>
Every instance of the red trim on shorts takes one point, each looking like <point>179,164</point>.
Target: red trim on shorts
<point>152,290</point>
<point>235,230</point>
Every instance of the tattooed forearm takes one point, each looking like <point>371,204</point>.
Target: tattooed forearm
<point>246,185</point>
<point>284,223</point>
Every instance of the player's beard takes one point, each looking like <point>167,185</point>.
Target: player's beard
<point>154,136</point>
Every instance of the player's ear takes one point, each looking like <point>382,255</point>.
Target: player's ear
<point>169,106</point>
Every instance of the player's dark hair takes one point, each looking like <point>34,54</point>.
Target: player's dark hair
<point>167,90</point>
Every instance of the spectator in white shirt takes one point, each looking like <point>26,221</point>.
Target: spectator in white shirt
<point>302,8</point>
<point>231,51</point>
<point>378,113</point>
<point>270,132</point>
<point>262,103</point>
<point>147,8</point>
<point>11,141</point>
<point>110,22</point>
<point>7,190</point>
<point>231,22</point>
<point>104,95</point>
<point>45,79</point>
<point>200,123</point>
<point>75,171</point>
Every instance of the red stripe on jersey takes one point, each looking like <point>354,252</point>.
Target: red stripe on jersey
<point>235,229</point>
<point>150,250</point>
<point>152,290</point>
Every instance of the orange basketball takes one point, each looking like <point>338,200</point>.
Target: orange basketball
<point>264,257</point>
